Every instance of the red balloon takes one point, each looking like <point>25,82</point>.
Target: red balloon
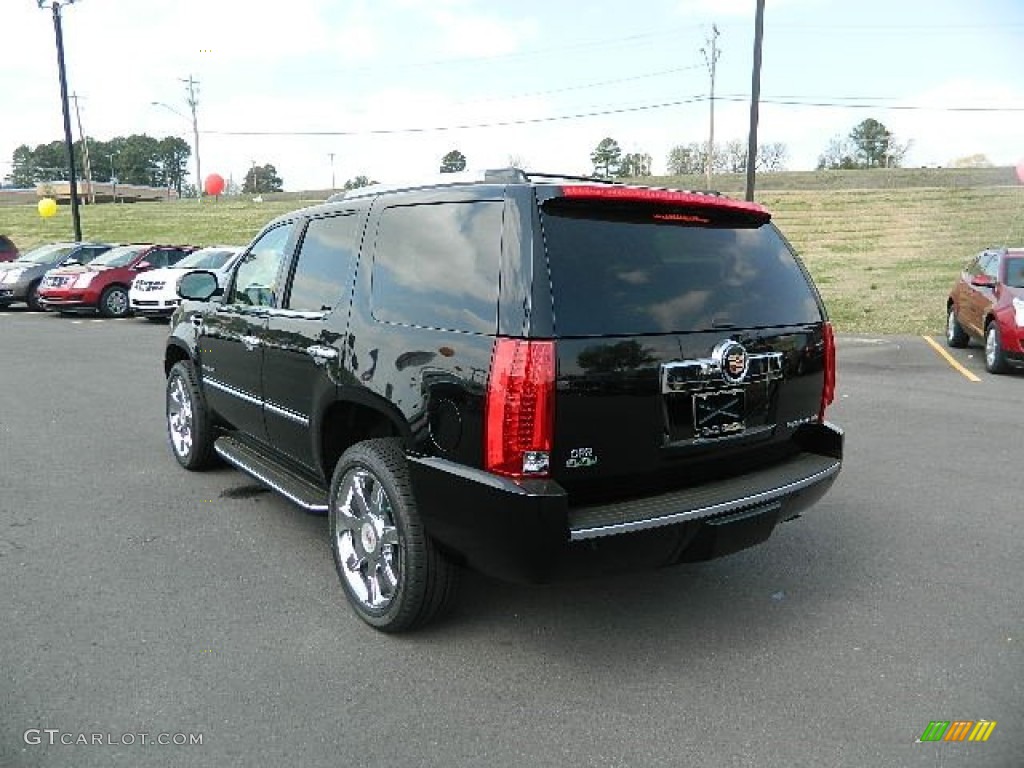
<point>1020,171</point>
<point>214,184</point>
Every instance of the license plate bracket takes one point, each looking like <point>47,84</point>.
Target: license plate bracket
<point>719,413</point>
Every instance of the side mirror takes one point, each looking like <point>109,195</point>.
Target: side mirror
<point>142,266</point>
<point>983,281</point>
<point>198,286</point>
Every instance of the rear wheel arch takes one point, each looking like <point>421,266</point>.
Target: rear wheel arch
<point>346,422</point>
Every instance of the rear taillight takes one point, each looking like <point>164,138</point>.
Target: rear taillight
<point>828,387</point>
<point>520,408</point>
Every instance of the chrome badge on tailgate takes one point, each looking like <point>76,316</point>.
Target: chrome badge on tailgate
<point>729,365</point>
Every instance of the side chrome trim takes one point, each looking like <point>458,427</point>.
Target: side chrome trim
<point>228,390</point>
<point>753,500</point>
<point>298,418</point>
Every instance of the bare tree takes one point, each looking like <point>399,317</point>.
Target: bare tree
<point>772,157</point>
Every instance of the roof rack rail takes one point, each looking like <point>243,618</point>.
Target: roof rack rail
<point>568,177</point>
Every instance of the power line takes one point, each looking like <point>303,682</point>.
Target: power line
<point>466,126</point>
<point>609,111</point>
<point>581,86</point>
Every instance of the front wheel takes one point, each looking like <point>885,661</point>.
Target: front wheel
<point>188,421</point>
<point>995,358</point>
<point>34,301</point>
<point>392,574</point>
<point>114,302</point>
<point>956,336</point>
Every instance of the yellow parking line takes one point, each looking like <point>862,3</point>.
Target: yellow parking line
<point>949,359</point>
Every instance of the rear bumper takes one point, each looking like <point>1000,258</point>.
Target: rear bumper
<point>527,532</point>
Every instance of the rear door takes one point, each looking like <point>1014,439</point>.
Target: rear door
<point>303,337</point>
<point>681,335</point>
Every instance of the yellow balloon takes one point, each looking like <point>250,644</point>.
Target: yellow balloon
<point>47,207</point>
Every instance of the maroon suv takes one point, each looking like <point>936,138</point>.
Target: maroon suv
<point>987,303</point>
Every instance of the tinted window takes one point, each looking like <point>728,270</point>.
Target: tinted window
<point>324,268</point>
<point>86,255</point>
<point>437,266</point>
<point>1015,272</point>
<point>636,275</point>
<point>256,278</point>
<point>156,258</point>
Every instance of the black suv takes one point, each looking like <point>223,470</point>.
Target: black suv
<point>519,374</point>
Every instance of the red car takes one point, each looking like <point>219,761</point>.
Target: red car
<point>103,283</point>
<point>987,303</point>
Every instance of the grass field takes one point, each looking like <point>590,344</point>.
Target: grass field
<point>883,256</point>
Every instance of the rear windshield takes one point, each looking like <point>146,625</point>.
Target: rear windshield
<point>637,274</point>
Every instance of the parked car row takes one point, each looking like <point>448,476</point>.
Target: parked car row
<point>113,280</point>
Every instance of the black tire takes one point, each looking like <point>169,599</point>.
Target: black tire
<point>956,336</point>
<point>995,357</point>
<point>32,298</point>
<point>394,577</point>
<point>189,429</point>
<point>114,302</point>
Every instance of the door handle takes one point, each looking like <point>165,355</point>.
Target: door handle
<point>197,322</point>
<point>322,355</point>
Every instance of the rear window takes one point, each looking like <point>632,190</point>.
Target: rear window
<point>615,273</point>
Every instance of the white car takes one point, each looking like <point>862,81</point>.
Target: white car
<point>154,294</point>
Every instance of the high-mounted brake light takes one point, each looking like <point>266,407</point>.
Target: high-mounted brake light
<point>828,387</point>
<point>663,196</point>
<point>520,408</point>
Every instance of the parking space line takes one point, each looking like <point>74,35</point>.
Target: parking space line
<point>949,359</point>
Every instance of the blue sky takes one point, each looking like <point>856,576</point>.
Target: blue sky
<point>549,78</point>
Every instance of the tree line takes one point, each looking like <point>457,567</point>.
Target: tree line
<point>136,159</point>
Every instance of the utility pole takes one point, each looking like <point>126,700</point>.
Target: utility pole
<point>333,186</point>
<point>86,165</point>
<point>193,101</point>
<point>711,54</point>
<point>755,99</point>
<point>72,181</point>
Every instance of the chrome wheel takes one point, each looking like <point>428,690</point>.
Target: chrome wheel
<point>366,540</point>
<point>995,359</point>
<point>956,336</point>
<point>179,417</point>
<point>115,303</point>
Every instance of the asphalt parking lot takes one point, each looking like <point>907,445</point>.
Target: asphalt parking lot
<point>137,598</point>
